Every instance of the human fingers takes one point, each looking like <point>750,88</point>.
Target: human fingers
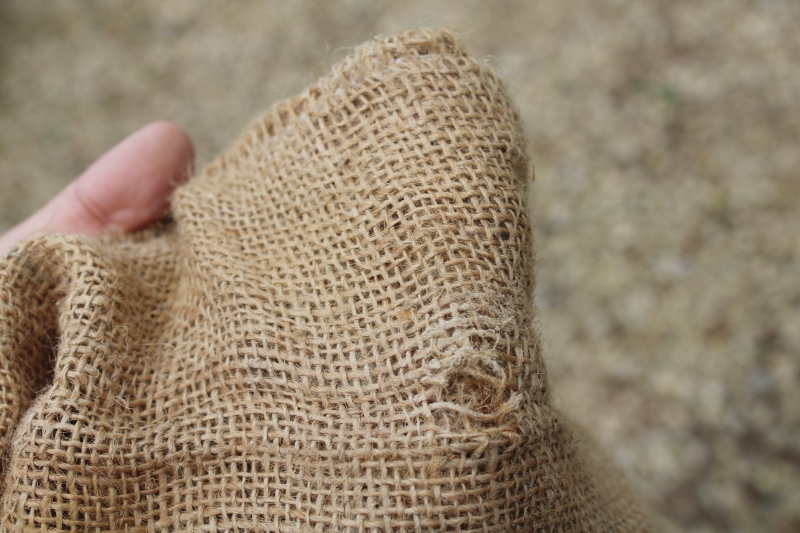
<point>125,190</point>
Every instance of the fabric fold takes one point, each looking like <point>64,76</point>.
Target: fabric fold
<point>335,333</point>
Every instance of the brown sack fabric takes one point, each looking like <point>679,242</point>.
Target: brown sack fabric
<point>334,332</point>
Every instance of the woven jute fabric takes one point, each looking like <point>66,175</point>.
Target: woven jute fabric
<point>333,331</point>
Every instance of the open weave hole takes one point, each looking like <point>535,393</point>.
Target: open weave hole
<point>334,333</point>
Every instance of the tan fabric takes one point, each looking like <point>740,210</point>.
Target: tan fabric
<point>334,333</point>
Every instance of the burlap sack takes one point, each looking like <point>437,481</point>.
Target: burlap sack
<point>334,333</point>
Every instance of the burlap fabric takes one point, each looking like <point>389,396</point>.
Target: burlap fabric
<point>334,332</point>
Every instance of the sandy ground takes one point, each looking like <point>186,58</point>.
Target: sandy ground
<point>665,137</point>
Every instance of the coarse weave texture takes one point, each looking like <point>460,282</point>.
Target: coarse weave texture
<point>333,333</point>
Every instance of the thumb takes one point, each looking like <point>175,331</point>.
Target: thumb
<point>125,190</point>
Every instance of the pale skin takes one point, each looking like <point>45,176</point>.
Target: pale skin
<point>126,189</point>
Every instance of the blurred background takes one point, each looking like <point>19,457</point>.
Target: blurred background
<point>665,138</point>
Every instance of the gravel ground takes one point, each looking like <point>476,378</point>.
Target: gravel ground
<point>665,137</point>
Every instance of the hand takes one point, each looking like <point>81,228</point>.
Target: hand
<point>125,190</point>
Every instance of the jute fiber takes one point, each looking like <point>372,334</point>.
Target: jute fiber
<point>333,332</point>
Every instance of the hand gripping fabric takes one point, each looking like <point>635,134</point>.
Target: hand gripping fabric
<point>334,332</point>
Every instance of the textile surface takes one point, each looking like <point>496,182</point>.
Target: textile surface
<point>333,332</point>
